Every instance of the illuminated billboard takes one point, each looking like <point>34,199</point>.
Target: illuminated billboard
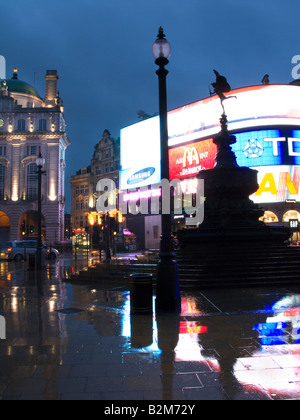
<point>277,184</point>
<point>275,149</point>
<point>140,154</point>
<point>255,106</point>
<point>274,153</point>
<point>186,161</point>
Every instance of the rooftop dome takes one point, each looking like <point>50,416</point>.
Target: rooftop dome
<point>18,86</point>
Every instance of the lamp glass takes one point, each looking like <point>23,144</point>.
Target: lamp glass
<point>40,161</point>
<point>161,49</point>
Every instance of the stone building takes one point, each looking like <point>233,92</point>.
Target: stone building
<point>105,163</point>
<point>30,126</point>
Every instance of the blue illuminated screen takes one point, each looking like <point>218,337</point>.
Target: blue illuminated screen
<point>251,148</point>
<point>296,147</point>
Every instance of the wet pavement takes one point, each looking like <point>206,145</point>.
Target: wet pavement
<point>77,342</point>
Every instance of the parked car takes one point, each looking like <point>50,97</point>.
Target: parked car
<point>19,250</point>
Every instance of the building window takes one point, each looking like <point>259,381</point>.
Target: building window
<point>32,182</point>
<point>2,181</point>
<point>2,150</point>
<point>33,150</point>
<point>42,125</point>
<point>269,217</point>
<point>77,190</point>
<point>291,215</point>
<point>21,125</point>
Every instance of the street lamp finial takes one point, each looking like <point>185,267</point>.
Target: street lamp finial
<point>161,34</point>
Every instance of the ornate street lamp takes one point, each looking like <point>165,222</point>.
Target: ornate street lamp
<point>39,163</point>
<point>167,289</point>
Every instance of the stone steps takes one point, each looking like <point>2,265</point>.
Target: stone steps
<point>282,266</point>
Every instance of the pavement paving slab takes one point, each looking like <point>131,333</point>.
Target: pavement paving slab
<point>67,341</point>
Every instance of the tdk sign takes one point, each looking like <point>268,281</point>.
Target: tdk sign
<point>140,176</point>
<point>267,147</point>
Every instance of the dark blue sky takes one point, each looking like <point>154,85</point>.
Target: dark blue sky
<point>102,52</point>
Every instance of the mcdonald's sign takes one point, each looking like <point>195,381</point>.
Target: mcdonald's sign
<point>190,155</point>
<point>188,160</point>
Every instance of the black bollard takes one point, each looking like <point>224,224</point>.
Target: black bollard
<point>141,291</point>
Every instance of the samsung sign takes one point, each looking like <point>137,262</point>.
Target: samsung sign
<point>192,149</point>
<point>140,154</point>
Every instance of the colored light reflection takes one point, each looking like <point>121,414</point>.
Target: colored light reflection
<point>187,347</point>
<point>275,366</point>
<point>284,326</point>
<point>189,306</point>
<point>191,327</point>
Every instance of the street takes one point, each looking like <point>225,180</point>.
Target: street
<point>66,341</point>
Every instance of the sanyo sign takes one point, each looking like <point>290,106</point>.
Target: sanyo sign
<point>277,184</point>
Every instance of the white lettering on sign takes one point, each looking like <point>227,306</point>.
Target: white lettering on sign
<point>290,140</point>
<point>275,141</point>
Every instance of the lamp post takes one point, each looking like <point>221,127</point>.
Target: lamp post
<point>167,289</point>
<point>39,163</point>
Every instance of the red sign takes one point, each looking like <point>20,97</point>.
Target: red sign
<point>186,161</point>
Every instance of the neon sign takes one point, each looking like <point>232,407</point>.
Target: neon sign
<point>192,127</point>
<point>277,184</point>
<point>186,161</point>
<point>256,106</point>
<point>141,175</point>
<point>259,148</point>
<point>135,196</point>
<point>140,154</point>
<point>273,153</point>
<point>252,149</point>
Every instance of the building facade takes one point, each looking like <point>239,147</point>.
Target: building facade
<point>105,164</point>
<point>31,126</point>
